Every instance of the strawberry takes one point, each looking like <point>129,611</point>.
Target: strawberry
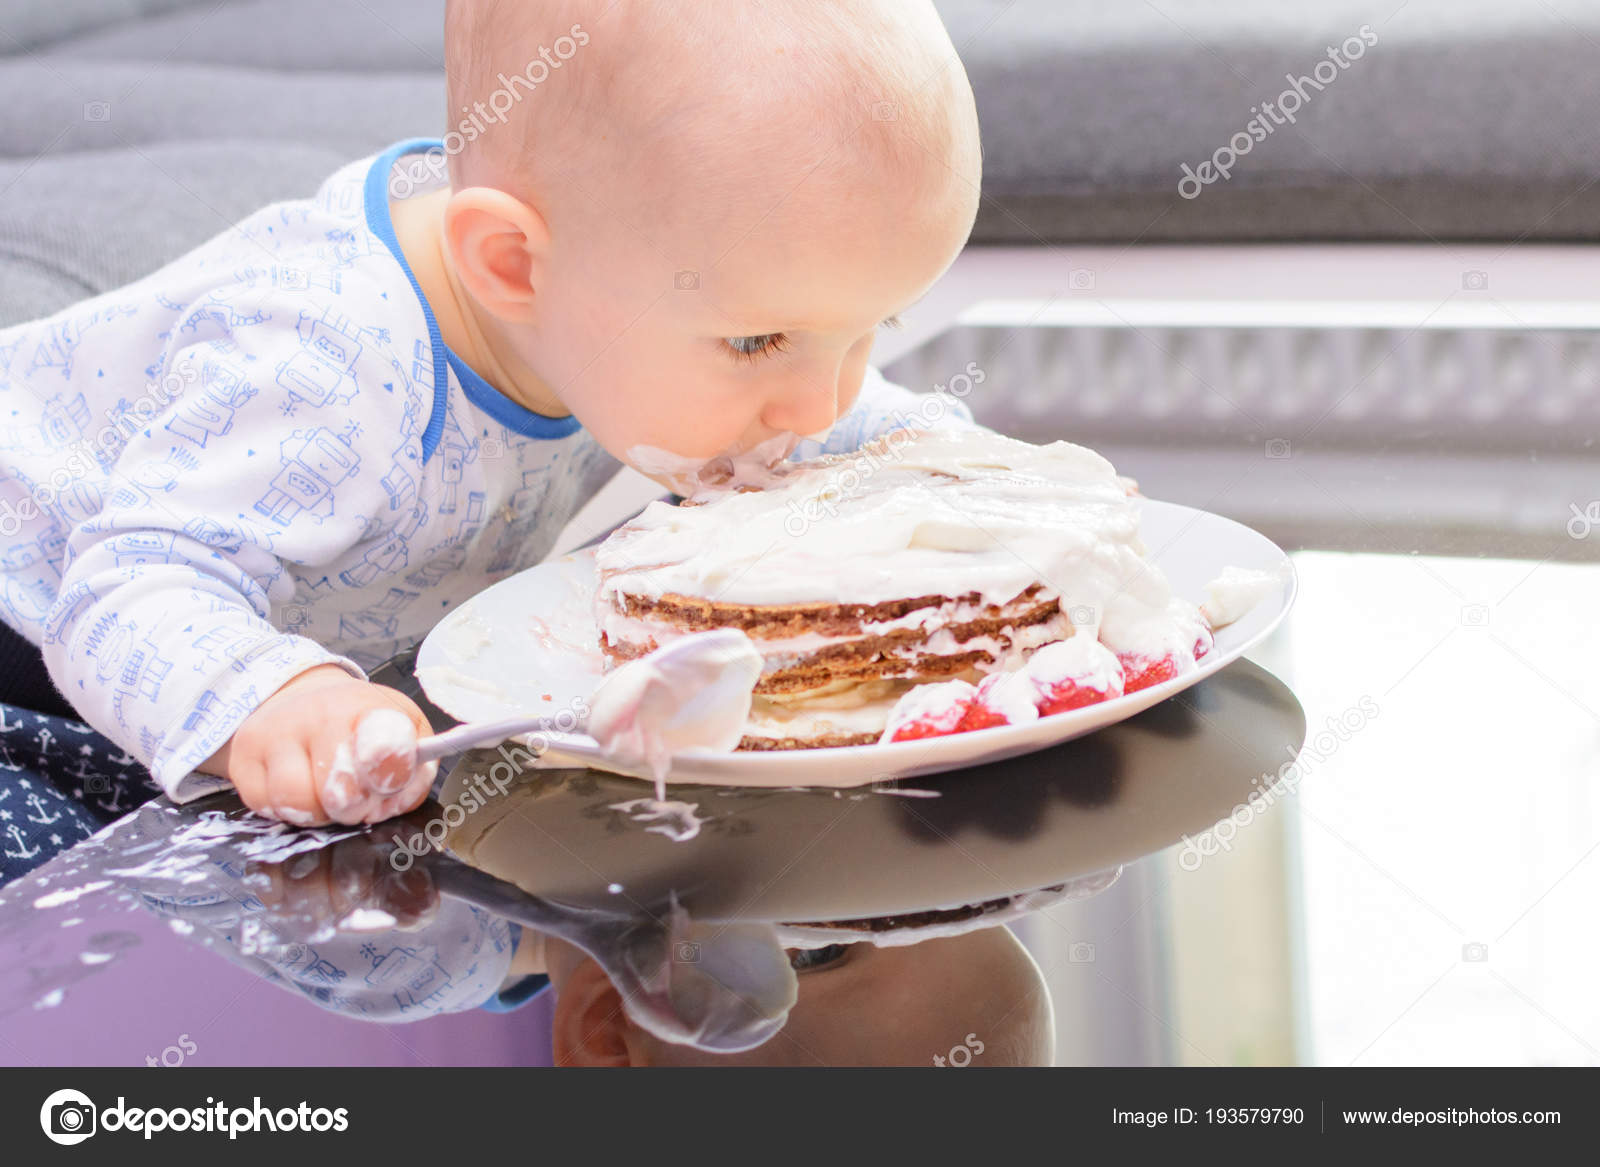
<point>1140,672</point>
<point>913,731</point>
<point>980,716</point>
<point>930,711</point>
<point>1073,673</point>
<point>1069,695</point>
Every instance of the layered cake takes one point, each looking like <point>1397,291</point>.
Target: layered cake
<point>931,582</point>
<point>915,927</point>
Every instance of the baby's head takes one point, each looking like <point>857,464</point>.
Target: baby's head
<point>871,1006</point>
<point>689,231</point>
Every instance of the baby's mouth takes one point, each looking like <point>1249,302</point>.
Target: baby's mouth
<point>755,468</point>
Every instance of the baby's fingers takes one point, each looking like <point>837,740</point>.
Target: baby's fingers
<point>291,793</point>
<point>373,774</point>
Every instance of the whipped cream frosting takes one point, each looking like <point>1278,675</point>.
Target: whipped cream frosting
<point>692,693</point>
<point>912,513</point>
<point>1235,592</point>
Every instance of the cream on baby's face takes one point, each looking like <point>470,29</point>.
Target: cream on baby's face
<point>717,247</point>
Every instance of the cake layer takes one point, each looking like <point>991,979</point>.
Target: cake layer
<point>810,647</point>
<point>925,557</point>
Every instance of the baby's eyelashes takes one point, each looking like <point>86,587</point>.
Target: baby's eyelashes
<point>749,348</point>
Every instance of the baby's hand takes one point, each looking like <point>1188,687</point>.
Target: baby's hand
<point>326,747</point>
<point>305,893</point>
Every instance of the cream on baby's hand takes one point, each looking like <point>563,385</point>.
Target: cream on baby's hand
<point>329,747</point>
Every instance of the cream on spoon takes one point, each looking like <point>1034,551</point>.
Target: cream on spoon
<point>692,693</point>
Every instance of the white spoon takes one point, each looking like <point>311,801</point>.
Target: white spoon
<point>692,693</point>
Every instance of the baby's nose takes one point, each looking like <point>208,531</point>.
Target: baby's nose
<point>805,407</point>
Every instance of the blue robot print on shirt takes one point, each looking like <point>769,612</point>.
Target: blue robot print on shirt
<point>455,453</point>
<point>341,200</point>
<point>61,426</point>
<point>210,711</point>
<point>323,971</point>
<point>38,544</point>
<point>60,345</point>
<point>285,278</point>
<point>143,548</point>
<point>25,584</point>
<point>56,350</point>
<point>400,482</point>
<point>440,564</point>
<point>68,609</point>
<point>239,650</point>
<point>380,622</point>
<point>390,556</point>
<point>210,533</point>
<point>123,420</point>
<point>210,412</point>
<point>322,372</point>
<point>332,337</point>
<point>127,661</point>
<point>413,974</point>
<point>314,463</point>
<point>344,248</point>
<point>138,490</point>
<point>216,311</point>
<point>421,362</point>
<point>76,503</point>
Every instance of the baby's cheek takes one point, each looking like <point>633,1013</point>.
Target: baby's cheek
<point>627,411</point>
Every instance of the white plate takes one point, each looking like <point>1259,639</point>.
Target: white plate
<point>529,644</point>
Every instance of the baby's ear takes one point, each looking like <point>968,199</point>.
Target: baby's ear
<point>496,244</point>
<point>589,1027</point>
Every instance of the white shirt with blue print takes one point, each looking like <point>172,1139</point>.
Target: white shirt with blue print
<point>262,458</point>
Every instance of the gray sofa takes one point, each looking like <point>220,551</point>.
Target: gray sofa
<point>133,129</point>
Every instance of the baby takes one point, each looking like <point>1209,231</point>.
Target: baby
<point>658,232</point>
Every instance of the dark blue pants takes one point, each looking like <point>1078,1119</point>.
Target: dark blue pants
<point>60,781</point>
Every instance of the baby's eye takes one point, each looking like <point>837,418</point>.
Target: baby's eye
<point>749,348</point>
